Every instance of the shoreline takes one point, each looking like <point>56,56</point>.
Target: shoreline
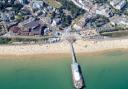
<point>80,46</point>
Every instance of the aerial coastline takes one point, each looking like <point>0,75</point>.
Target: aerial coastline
<point>46,42</point>
<point>39,27</point>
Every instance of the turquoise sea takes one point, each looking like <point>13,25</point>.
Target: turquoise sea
<point>101,71</point>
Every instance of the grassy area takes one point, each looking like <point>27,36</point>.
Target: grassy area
<point>115,34</point>
<point>53,3</point>
<point>5,40</point>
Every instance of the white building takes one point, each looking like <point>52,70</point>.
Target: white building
<point>84,4</point>
<point>118,4</point>
<point>56,21</point>
<point>119,21</point>
<point>103,10</point>
<point>37,4</point>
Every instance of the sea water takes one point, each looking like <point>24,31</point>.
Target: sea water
<point>103,71</point>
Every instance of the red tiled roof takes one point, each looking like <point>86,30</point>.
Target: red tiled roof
<point>15,29</point>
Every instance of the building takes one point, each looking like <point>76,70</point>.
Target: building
<point>23,1</point>
<point>26,21</point>
<point>31,27</point>
<point>47,31</point>
<point>81,23</point>
<point>58,33</point>
<point>119,21</point>
<point>14,31</point>
<point>84,4</point>
<point>45,20</point>
<point>118,4</point>
<point>7,16</point>
<point>56,21</point>
<point>104,10</point>
<point>37,5</point>
<point>87,5</point>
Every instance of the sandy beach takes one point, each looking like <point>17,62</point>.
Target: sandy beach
<point>64,47</point>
